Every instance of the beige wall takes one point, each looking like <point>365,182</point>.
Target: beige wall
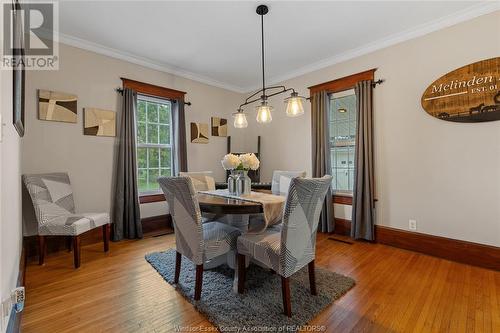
<point>445,175</point>
<point>10,193</point>
<point>52,146</point>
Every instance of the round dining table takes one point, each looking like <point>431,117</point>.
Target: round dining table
<point>226,206</point>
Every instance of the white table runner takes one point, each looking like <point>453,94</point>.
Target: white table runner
<point>272,205</point>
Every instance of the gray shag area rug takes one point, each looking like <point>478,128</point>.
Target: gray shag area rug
<point>260,308</point>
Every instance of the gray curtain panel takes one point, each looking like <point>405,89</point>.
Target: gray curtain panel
<point>179,133</point>
<point>363,204</point>
<point>126,214</point>
<point>321,163</point>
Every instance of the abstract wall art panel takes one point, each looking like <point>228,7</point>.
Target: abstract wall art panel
<point>57,106</point>
<point>219,126</point>
<point>99,122</point>
<point>199,133</point>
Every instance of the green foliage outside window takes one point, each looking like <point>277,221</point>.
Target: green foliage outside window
<point>154,150</point>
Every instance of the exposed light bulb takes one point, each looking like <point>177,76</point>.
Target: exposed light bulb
<point>264,113</point>
<point>294,107</point>
<point>240,119</point>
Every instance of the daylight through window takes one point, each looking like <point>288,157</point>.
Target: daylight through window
<point>343,139</point>
<point>154,142</point>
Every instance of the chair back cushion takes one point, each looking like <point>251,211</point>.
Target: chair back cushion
<point>186,216</point>
<point>300,222</point>
<point>281,181</point>
<point>51,195</point>
<point>202,181</point>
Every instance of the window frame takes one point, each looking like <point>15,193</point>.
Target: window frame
<point>338,85</point>
<point>146,145</point>
<point>154,91</point>
<point>344,93</point>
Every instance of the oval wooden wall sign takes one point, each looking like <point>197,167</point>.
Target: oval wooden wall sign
<point>468,94</point>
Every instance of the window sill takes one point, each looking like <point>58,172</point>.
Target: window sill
<point>342,198</point>
<point>149,198</point>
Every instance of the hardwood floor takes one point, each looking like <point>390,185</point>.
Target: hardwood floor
<point>396,291</point>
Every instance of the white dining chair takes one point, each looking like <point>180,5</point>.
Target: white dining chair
<point>197,241</point>
<point>289,248</point>
<point>281,181</point>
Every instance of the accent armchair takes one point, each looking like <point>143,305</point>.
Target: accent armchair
<point>52,198</point>
<point>292,247</point>
<point>199,242</point>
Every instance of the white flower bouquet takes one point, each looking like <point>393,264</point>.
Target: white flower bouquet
<point>238,182</point>
<point>249,162</point>
<point>243,162</point>
<point>230,162</point>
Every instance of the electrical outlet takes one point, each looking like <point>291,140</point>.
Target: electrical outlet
<point>412,225</point>
<point>17,299</point>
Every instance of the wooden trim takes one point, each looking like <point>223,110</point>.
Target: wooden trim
<point>452,249</point>
<point>150,225</point>
<point>342,199</point>
<point>14,324</point>
<point>342,227</point>
<point>154,225</point>
<point>343,83</point>
<point>152,90</point>
<point>151,198</point>
<point>442,247</point>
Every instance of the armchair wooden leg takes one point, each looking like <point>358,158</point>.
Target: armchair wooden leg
<point>285,290</point>
<point>41,250</point>
<point>76,250</point>
<point>312,278</point>
<point>178,261</point>
<point>241,273</point>
<point>69,242</point>
<point>198,282</point>
<point>105,236</point>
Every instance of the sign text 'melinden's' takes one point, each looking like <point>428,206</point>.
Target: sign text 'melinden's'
<point>455,84</point>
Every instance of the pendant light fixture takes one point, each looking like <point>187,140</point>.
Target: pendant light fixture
<point>240,119</point>
<point>294,103</point>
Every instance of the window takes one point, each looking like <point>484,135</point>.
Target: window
<point>342,108</point>
<point>154,142</point>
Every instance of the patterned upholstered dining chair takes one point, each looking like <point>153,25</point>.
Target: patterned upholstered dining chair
<point>290,248</point>
<point>202,180</point>
<point>52,198</point>
<point>281,181</point>
<point>196,241</point>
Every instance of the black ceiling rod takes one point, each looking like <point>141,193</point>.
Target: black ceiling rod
<point>262,10</point>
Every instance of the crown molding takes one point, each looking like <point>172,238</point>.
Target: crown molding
<point>421,30</point>
<point>143,61</point>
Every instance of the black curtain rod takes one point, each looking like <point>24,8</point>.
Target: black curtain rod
<point>120,91</point>
<point>374,84</point>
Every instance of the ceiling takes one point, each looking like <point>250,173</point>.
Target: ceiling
<point>219,42</point>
